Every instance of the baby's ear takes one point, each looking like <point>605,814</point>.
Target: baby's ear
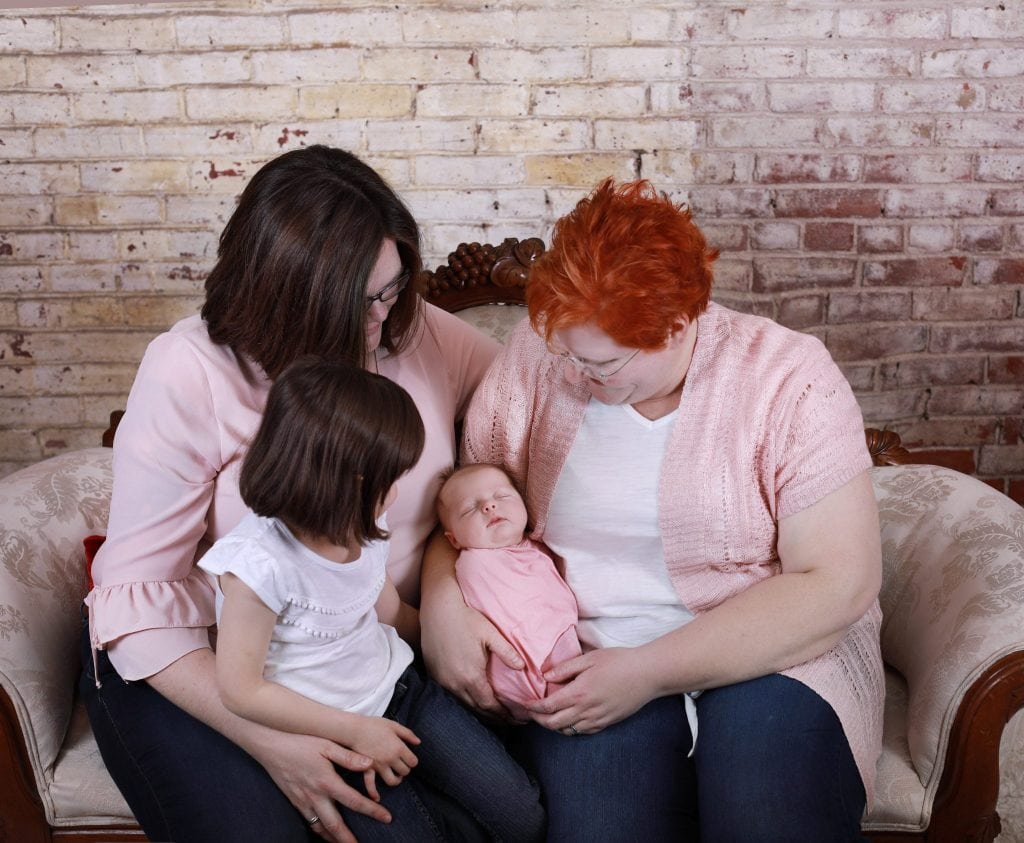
<point>448,534</point>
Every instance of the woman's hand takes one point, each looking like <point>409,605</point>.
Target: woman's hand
<point>603,687</point>
<point>386,742</point>
<point>303,768</point>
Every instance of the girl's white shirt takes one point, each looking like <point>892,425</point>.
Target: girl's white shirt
<point>327,643</point>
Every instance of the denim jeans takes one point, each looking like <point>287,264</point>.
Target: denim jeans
<point>461,761</point>
<point>771,764</point>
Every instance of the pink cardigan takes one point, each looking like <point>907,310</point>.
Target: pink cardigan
<point>767,426</point>
<point>192,409</point>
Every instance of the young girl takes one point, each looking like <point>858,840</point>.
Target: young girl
<point>311,629</point>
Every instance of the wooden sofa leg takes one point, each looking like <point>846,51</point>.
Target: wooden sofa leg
<point>22,819</point>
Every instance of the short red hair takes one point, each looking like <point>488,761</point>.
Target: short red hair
<point>627,260</point>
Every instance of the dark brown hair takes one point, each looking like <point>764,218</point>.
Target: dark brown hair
<point>333,440</point>
<point>295,258</point>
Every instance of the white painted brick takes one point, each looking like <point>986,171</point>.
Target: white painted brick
<point>43,179</point>
<point>468,170</point>
<point>181,68</point>
<point>823,97</point>
<point>740,62</point>
<point>126,106</point>
<point>421,135</point>
<point>554,64</point>
<point>864,131</point>
<point>23,33</point>
<point>667,167</point>
<point>1006,96</point>
<point>1000,166</point>
<point>395,171</point>
<point>222,174</point>
<point>892,23</point>
<point>860,62</point>
<point>588,100</point>
<point>918,168</point>
<point>275,138</point>
<point>166,244</point>
<point>404,65</point>
<point>460,205</point>
<point>16,211</point>
<point>92,245</point>
<point>134,176</point>
<point>201,31</point>
<point>88,142</point>
<point>1001,21</point>
<point>32,245</point>
<point>775,235</point>
<point>637,63</point>
<point>12,71</point>
<point>981,132</point>
<point>931,238</point>
<point>107,210</point>
<point>646,134</point>
<point>34,109</point>
<point>239,103</point>
<point>930,202</point>
<point>37,411</point>
<point>81,73</point>
<point>533,135</point>
<point>283,67</point>
<point>184,276</point>
<point>355,27</point>
<point>155,32</point>
<point>76,312</point>
<point>463,26</point>
<point>713,167</point>
<point>572,25</point>
<point>932,96</point>
<point>72,347</point>
<point>985,63</point>
<point>707,97</point>
<point>21,278</point>
<point>84,278</point>
<point>480,100</point>
<point>679,25</point>
<point>763,131</point>
<point>779,23</point>
<point>219,139</point>
<point>17,143</point>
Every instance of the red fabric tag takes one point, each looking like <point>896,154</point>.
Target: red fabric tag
<point>92,544</point>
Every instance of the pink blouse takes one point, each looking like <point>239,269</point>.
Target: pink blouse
<point>177,455</point>
<point>767,426</point>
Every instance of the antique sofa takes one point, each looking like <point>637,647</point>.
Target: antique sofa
<point>952,638</point>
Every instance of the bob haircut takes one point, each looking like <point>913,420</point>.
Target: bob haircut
<point>625,260</point>
<point>295,259</point>
<point>332,443</point>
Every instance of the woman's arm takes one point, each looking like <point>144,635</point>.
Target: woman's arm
<point>831,574</point>
<point>403,617</point>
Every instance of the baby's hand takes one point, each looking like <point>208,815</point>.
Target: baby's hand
<point>386,742</point>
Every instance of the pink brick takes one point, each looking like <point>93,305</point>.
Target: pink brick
<point>963,305</point>
<point>821,97</point>
<point>763,131</point>
<point>916,272</point>
<point>936,201</point>
<point>829,202</point>
<point>1006,96</point>
<point>892,23</point>
<point>1000,166</point>
<point>731,62</point>
<point>860,62</point>
<point>956,96</point>
<point>781,168</point>
<point>781,274</point>
<point>828,236</point>
<point>1006,368</point>
<point>996,271</point>
<point>872,132</point>
<point>918,371</point>
<point>880,306</point>
<point>879,238</point>
<point>917,168</point>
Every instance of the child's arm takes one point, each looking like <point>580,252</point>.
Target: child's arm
<point>244,631</point>
<point>403,617</point>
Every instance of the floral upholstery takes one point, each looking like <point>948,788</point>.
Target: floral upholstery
<point>953,604</point>
<point>45,512</point>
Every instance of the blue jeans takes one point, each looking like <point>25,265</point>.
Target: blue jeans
<point>187,783</point>
<point>460,759</point>
<point>772,764</point>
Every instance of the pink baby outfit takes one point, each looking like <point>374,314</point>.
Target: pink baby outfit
<point>518,589</point>
<point>767,426</point>
<point>192,409</point>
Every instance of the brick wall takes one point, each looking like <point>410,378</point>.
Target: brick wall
<point>859,164</point>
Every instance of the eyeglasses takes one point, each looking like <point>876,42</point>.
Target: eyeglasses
<point>390,293</point>
<point>588,368</point>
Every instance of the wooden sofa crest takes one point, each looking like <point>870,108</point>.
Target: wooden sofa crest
<point>952,597</point>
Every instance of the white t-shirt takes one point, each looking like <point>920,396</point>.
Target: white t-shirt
<point>327,643</point>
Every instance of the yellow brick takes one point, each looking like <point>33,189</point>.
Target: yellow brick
<point>324,101</point>
<point>584,170</point>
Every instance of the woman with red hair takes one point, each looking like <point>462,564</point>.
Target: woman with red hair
<point>702,474</point>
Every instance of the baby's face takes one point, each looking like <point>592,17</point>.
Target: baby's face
<point>481,508</point>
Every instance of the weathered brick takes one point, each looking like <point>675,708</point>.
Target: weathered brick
<point>17,143</point>
<point>894,23</point>
<point>127,176</point>
<point>35,109</point>
<point>733,275</point>
<point>864,131</point>
<point>763,131</point>
<point>829,236</point>
<point>403,65</point>
<point>995,131</point>
<point>18,211</point>
<point>780,274</point>
<point>127,106</point>
<point>347,27</point>
<point>917,168</point>
<point>724,236</point>
<point>83,277</point>
<point>974,401</point>
<point>271,139</point>
<point>916,272</point>
<point>722,167</point>
<point>821,97</point>
<point>775,235</point>
<point>677,24</point>
<point>1006,368</point>
<point>956,96</point>
<point>457,170</point>
<point>963,305</point>
<point>24,412</point>
<point>24,33</point>
<point>244,103</point>
<point>983,63</point>
<point>725,202</point>
<point>154,32</point>
<point>881,306</point>
<point>781,168</point>
<point>981,237</point>
<point>985,338</point>
<point>1006,96</point>
<point>861,377</point>
<point>829,202</point>
<point>774,22</point>
<point>799,312</point>
<point>65,347</point>
<point>744,62</point>
<point>926,371</point>
<point>581,169</point>
<point>578,25</point>
<point>870,342</point>
<point>77,73</point>
<point>1000,21</point>
<point>1000,166</point>
<point>205,31</point>
<point>167,69</point>
<point>197,140</point>
<point>932,201</point>
<point>879,238</point>
<point>32,246</point>
<point>70,313</point>
<point>947,431</point>
<point>582,101</point>
<point>58,440</point>
<point>435,134</point>
<point>634,63</point>
<point>107,210</point>
<point>703,97</point>
<point>646,134</point>
<point>883,409</point>
<point>478,100</point>
<point>1008,202</point>
<point>21,278</point>
<point>858,62</point>
<point>998,271</point>
<point>931,237</point>
<point>160,312</point>
<point>89,142</point>
<point>284,67</point>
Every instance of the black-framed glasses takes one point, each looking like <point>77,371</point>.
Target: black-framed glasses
<point>589,369</point>
<point>389,293</point>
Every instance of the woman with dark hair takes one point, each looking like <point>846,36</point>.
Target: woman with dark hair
<point>703,476</point>
<point>316,259</point>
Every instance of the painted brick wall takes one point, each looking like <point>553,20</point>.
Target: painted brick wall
<point>860,165</point>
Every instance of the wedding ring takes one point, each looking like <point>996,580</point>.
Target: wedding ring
<point>572,730</point>
<point>313,820</point>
